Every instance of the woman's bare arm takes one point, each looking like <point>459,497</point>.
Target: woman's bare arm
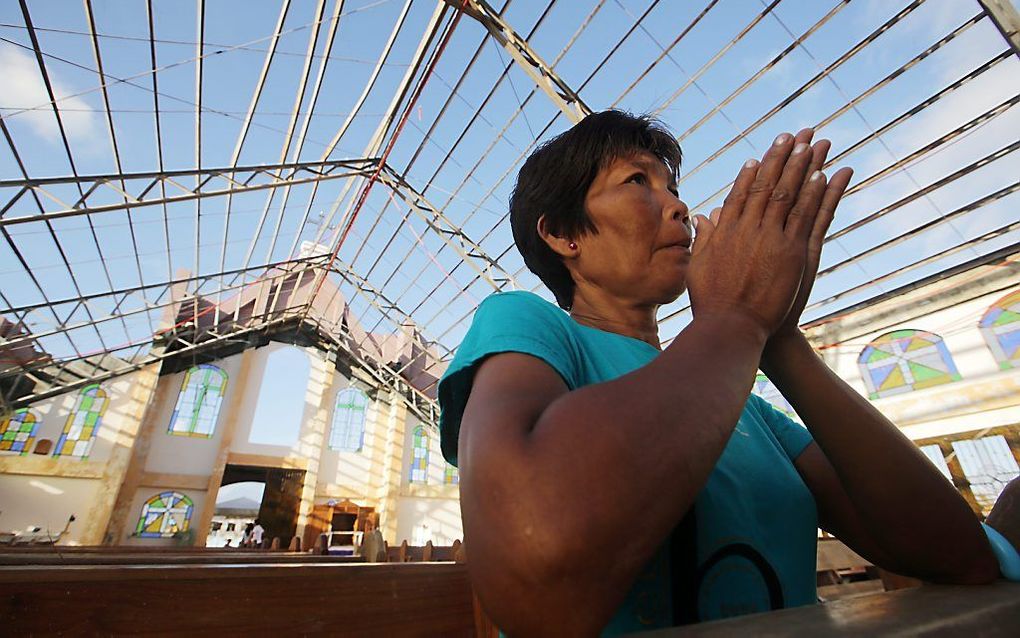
<point>566,495</point>
<point>875,489</point>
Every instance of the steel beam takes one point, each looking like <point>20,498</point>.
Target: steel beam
<point>338,336</point>
<point>210,182</point>
<point>1006,19</point>
<point>564,97</point>
<point>452,235</point>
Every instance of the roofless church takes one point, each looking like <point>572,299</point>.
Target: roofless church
<point>139,458</point>
<point>241,244</point>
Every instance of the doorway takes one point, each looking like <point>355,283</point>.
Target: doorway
<point>281,499</point>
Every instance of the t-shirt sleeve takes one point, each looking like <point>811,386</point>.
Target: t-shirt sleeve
<point>504,322</point>
<point>792,436</point>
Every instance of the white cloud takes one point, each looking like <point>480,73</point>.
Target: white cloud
<point>24,89</point>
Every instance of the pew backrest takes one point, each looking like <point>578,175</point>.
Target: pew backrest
<point>311,599</point>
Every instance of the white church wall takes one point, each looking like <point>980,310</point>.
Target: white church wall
<point>424,519</point>
<point>347,473</point>
<point>970,403</point>
<point>52,415</point>
<point>958,327</point>
<point>46,502</point>
<point>177,454</point>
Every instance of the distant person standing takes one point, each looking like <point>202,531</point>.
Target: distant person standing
<point>256,534</point>
<point>246,538</point>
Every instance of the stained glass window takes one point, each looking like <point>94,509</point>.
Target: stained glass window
<point>164,515</point>
<point>420,455</point>
<point>17,431</point>
<point>905,360</point>
<point>451,476</point>
<point>198,404</point>
<point>767,390</point>
<point>348,433</point>
<point>1001,328</point>
<point>83,423</point>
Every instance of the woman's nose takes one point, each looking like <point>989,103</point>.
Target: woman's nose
<point>680,213</point>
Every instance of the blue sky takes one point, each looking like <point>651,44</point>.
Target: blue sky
<point>415,268</point>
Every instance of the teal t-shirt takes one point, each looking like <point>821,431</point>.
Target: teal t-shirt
<point>750,543</point>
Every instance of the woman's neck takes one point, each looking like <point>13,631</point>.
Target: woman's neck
<point>611,314</point>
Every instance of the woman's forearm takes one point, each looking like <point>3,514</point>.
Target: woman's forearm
<point>910,511</point>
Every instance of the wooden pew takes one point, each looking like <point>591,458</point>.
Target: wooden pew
<point>843,573</point>
<point>417,553</point>
<point>309,599</point>
<point>989,611</point>
<point>168,558</point>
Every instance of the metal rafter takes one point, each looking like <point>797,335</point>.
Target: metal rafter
<point>452,235</point>
<point>565,98</point>
<point>242,135</point>
<point>210,182</point>
<point>112,132</point>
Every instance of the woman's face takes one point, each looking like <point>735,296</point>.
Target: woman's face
<point>642,248</point>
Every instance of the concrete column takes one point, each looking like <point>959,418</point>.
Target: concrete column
<point>321,393</point>
<point>117,527</point>
<point>143,388</point>
<point>235,400</point>
<point>392,466</point>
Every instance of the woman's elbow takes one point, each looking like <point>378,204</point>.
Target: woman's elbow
<point>982,572</point>
<point>538,590</point>
<point>979,570</point>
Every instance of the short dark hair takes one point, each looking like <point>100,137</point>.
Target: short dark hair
<point>555,180</point>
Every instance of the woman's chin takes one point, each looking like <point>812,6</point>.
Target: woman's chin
<point>673,293</point>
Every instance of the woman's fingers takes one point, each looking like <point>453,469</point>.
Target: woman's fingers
<point>827,208</point>
<point>786,190</point>
<point>735,201</point>
<point>819,152</point>
<point>703,229</point>
<point>804,135</point>
<point>801,220</point>
<point>768,176</point>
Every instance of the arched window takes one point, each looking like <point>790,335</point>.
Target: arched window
<point>164,515</point>
<point>905,360</point>
<point>420,455</point>
<point>348,433</point>
<point>767,390</point>
<point>1001,327</point>
<point>198,404</point>
<point>83,423</point>
<point>17,431</point>
<point>451,476</point>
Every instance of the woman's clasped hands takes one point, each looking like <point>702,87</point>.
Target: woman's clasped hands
<point>755,258</point>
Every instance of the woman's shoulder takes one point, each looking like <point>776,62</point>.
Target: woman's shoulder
<point>520,308</point>
<point>524,300</point>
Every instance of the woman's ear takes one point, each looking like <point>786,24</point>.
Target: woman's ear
<point>562,246</point>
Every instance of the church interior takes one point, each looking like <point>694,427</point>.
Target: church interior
<point>241,246</point>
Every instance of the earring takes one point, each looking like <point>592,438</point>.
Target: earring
<point>572,245</point>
